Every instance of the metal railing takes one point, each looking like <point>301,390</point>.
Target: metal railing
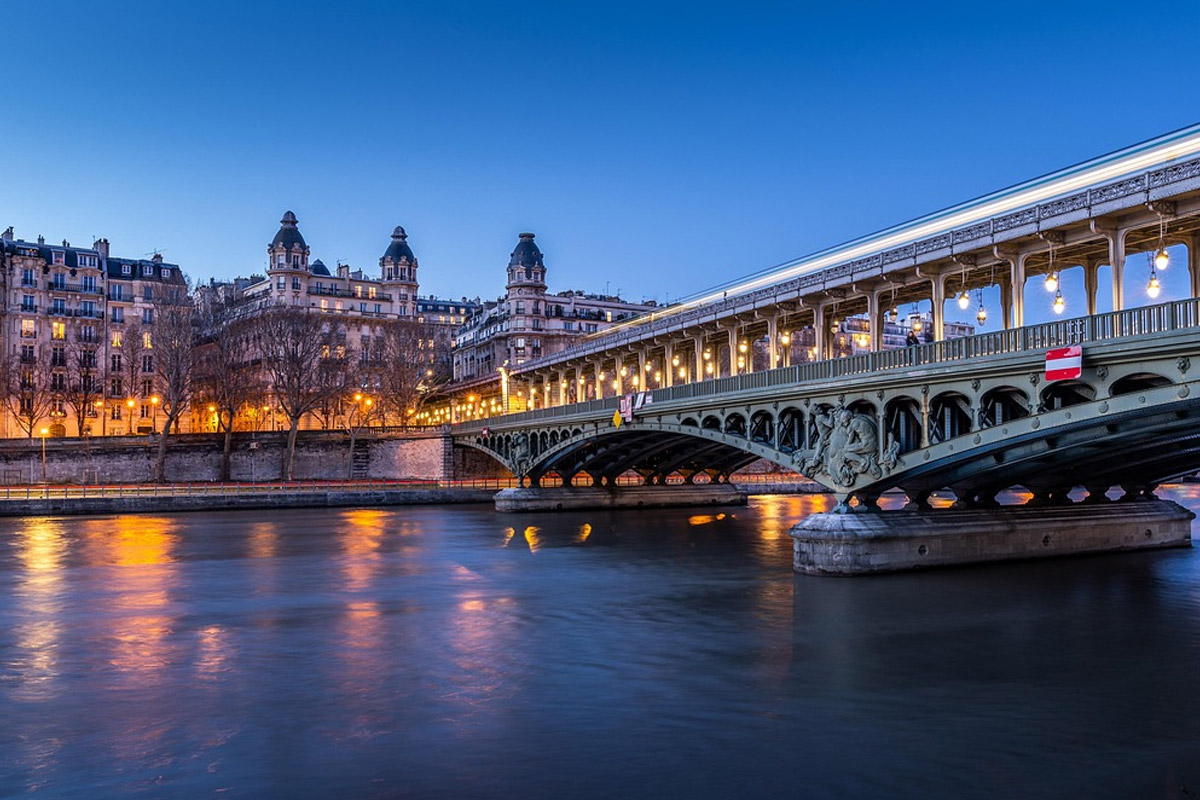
<point>1113,325</point>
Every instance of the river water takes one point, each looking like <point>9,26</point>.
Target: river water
<point>452,652</point>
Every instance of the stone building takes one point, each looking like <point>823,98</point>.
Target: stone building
<point>528,321</point>
<point>77,337</point>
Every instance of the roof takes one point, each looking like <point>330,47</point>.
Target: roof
<point>319,268</point>
<point>289,237</point>
<point>399,251</point>
<point>526,253</point>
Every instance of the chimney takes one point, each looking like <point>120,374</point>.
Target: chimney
<point>8,234</point>
<point>41,239</point>
<point>344,271</point>
<point>156,258</point>
<point>101,247</point>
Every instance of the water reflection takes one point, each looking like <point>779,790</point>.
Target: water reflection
<point>41,546</point>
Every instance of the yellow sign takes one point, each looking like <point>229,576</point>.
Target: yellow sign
<point>617,418</point>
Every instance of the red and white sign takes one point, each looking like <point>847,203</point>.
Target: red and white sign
<point>1064,363</point>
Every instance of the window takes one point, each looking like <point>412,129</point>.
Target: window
<point>115,364</point>
<point>118,314</point>
<point>378,308</point>
<point>27,355</point>
<point>358,291</point>
<point>338,305</point>
<point>147,316</point>
<point>324,304</point>
<point>147,363</point>
<point>296,284</point>
<point>87,308</point>
<point>87,334</point>
<point>58,306</point>
<point>126,269</point>
<point>148,293</point>
<point>281,283</point>
<point>145,411</point>
<point>58,357</point>
<point>56,407</point>
<point>116,411</point>
<point>27,303</point>
<point>520,307</point>
<point>116,292</point>
<point>58,257</point>
<point>166,273</point>
<point>146,341</point>
<point>147,388</point>
<point>89,283</point>
<point>27,328</point>
<point>117,339</point>
<point>147,271</point>
<point>371,292</point>
<point>58,382</point>
<point>86,261</point>
<point>89,360</point>
<point>115,387</point>
<point>362,307</point>
<point>59,280</point>
<point>58,330</point>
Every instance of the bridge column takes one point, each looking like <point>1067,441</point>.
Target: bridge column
<point>1193,263</point>
<point>772,342</point>
<point>562,388</point>
<point>820,333</point>
<point>641,369</point>
<point>1116,259</point>
<point>598,376</point>
<point>1017,289</point>
<point>938,304</point>
<point>733,350</point>
<point>698,374</point>
<point>668,364</point>
<point>1091,284</point>
<point>875,321</point>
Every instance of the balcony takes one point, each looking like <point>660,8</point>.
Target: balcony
<point>58,311</point>
<point>29,334</point>
<point>86,314</point>
<point>28,309</point>
<point>333,291</point>
<point>72,287</point>
<point>85,339</point>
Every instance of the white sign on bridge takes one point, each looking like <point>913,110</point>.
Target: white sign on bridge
<point>1064,363</point>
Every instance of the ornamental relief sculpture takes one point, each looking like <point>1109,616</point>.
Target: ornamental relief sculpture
<point>847,446</point>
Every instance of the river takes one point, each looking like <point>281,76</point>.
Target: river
<point>453,652</point>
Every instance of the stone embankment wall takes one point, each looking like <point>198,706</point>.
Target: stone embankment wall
<point>320,455</point>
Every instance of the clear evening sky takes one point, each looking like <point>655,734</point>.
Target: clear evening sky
<point>655,148</point>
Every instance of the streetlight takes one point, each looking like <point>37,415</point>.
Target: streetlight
<point>99,406</point>
<point>44,432</point>
<point>154,401</point>
<point>130,404</point>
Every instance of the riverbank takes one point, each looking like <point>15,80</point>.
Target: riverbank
<point>43,500</point>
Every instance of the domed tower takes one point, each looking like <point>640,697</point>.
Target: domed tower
<point>525,267</point>
<point>288,264</point>
<point>526,300</point>
<point>398,269</point>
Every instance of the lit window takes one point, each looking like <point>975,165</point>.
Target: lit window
<point>146,342</point>
<point>27,328</point>
<point>58,330</point>
<point>117,341</point>
<point>371,292</point>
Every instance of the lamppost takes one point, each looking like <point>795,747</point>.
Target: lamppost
<point>154,401</point>
<point>99,406</point>
<point>129,404</point>
<point>44,432</point>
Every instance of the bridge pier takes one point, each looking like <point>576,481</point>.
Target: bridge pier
<point>566,498</point>
<point>895,541</point>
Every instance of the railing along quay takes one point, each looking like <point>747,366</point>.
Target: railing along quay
<point>1110,326</point>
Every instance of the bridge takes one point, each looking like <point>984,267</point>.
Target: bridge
<point>971,415</point>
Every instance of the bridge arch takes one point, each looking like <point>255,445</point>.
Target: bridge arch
<point>1137,382</point>
<point>790,430</point>
<point>762,427</point>
<point>1002,404</point>
<point>1064,394</point>
<point>902,416</point>
<point>949,416</point>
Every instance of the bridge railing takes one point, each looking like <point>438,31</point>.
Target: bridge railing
<point>1127,323</point>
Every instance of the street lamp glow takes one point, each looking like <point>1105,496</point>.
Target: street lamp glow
<point>1059,303</point>
<point>1162,259</point>
<point>1052,281</point>
<point>1154,288</point>
<point>964,300</point>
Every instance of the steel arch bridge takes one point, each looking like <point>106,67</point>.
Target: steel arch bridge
<point>972,415</point>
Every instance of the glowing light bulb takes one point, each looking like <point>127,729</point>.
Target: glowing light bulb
<point>894,313</point>
<point>785,339</point>
<point>1059,303</point>
<point>1052,282</point>
<point>964,300</point>
<point>981,315</point>
<point>1153,288</point>
<point>1162,258</point>
<point>917,326</point>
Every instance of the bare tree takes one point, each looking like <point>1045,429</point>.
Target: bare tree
<point>407,367</point>
<point>292,341</point>
<point>225,378</point>
<point>28,389</point>
<point>84,386</point>
<point>126,367</point>
<point>173,342</point>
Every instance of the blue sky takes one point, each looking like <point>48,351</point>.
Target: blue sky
<point>655,148</point>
